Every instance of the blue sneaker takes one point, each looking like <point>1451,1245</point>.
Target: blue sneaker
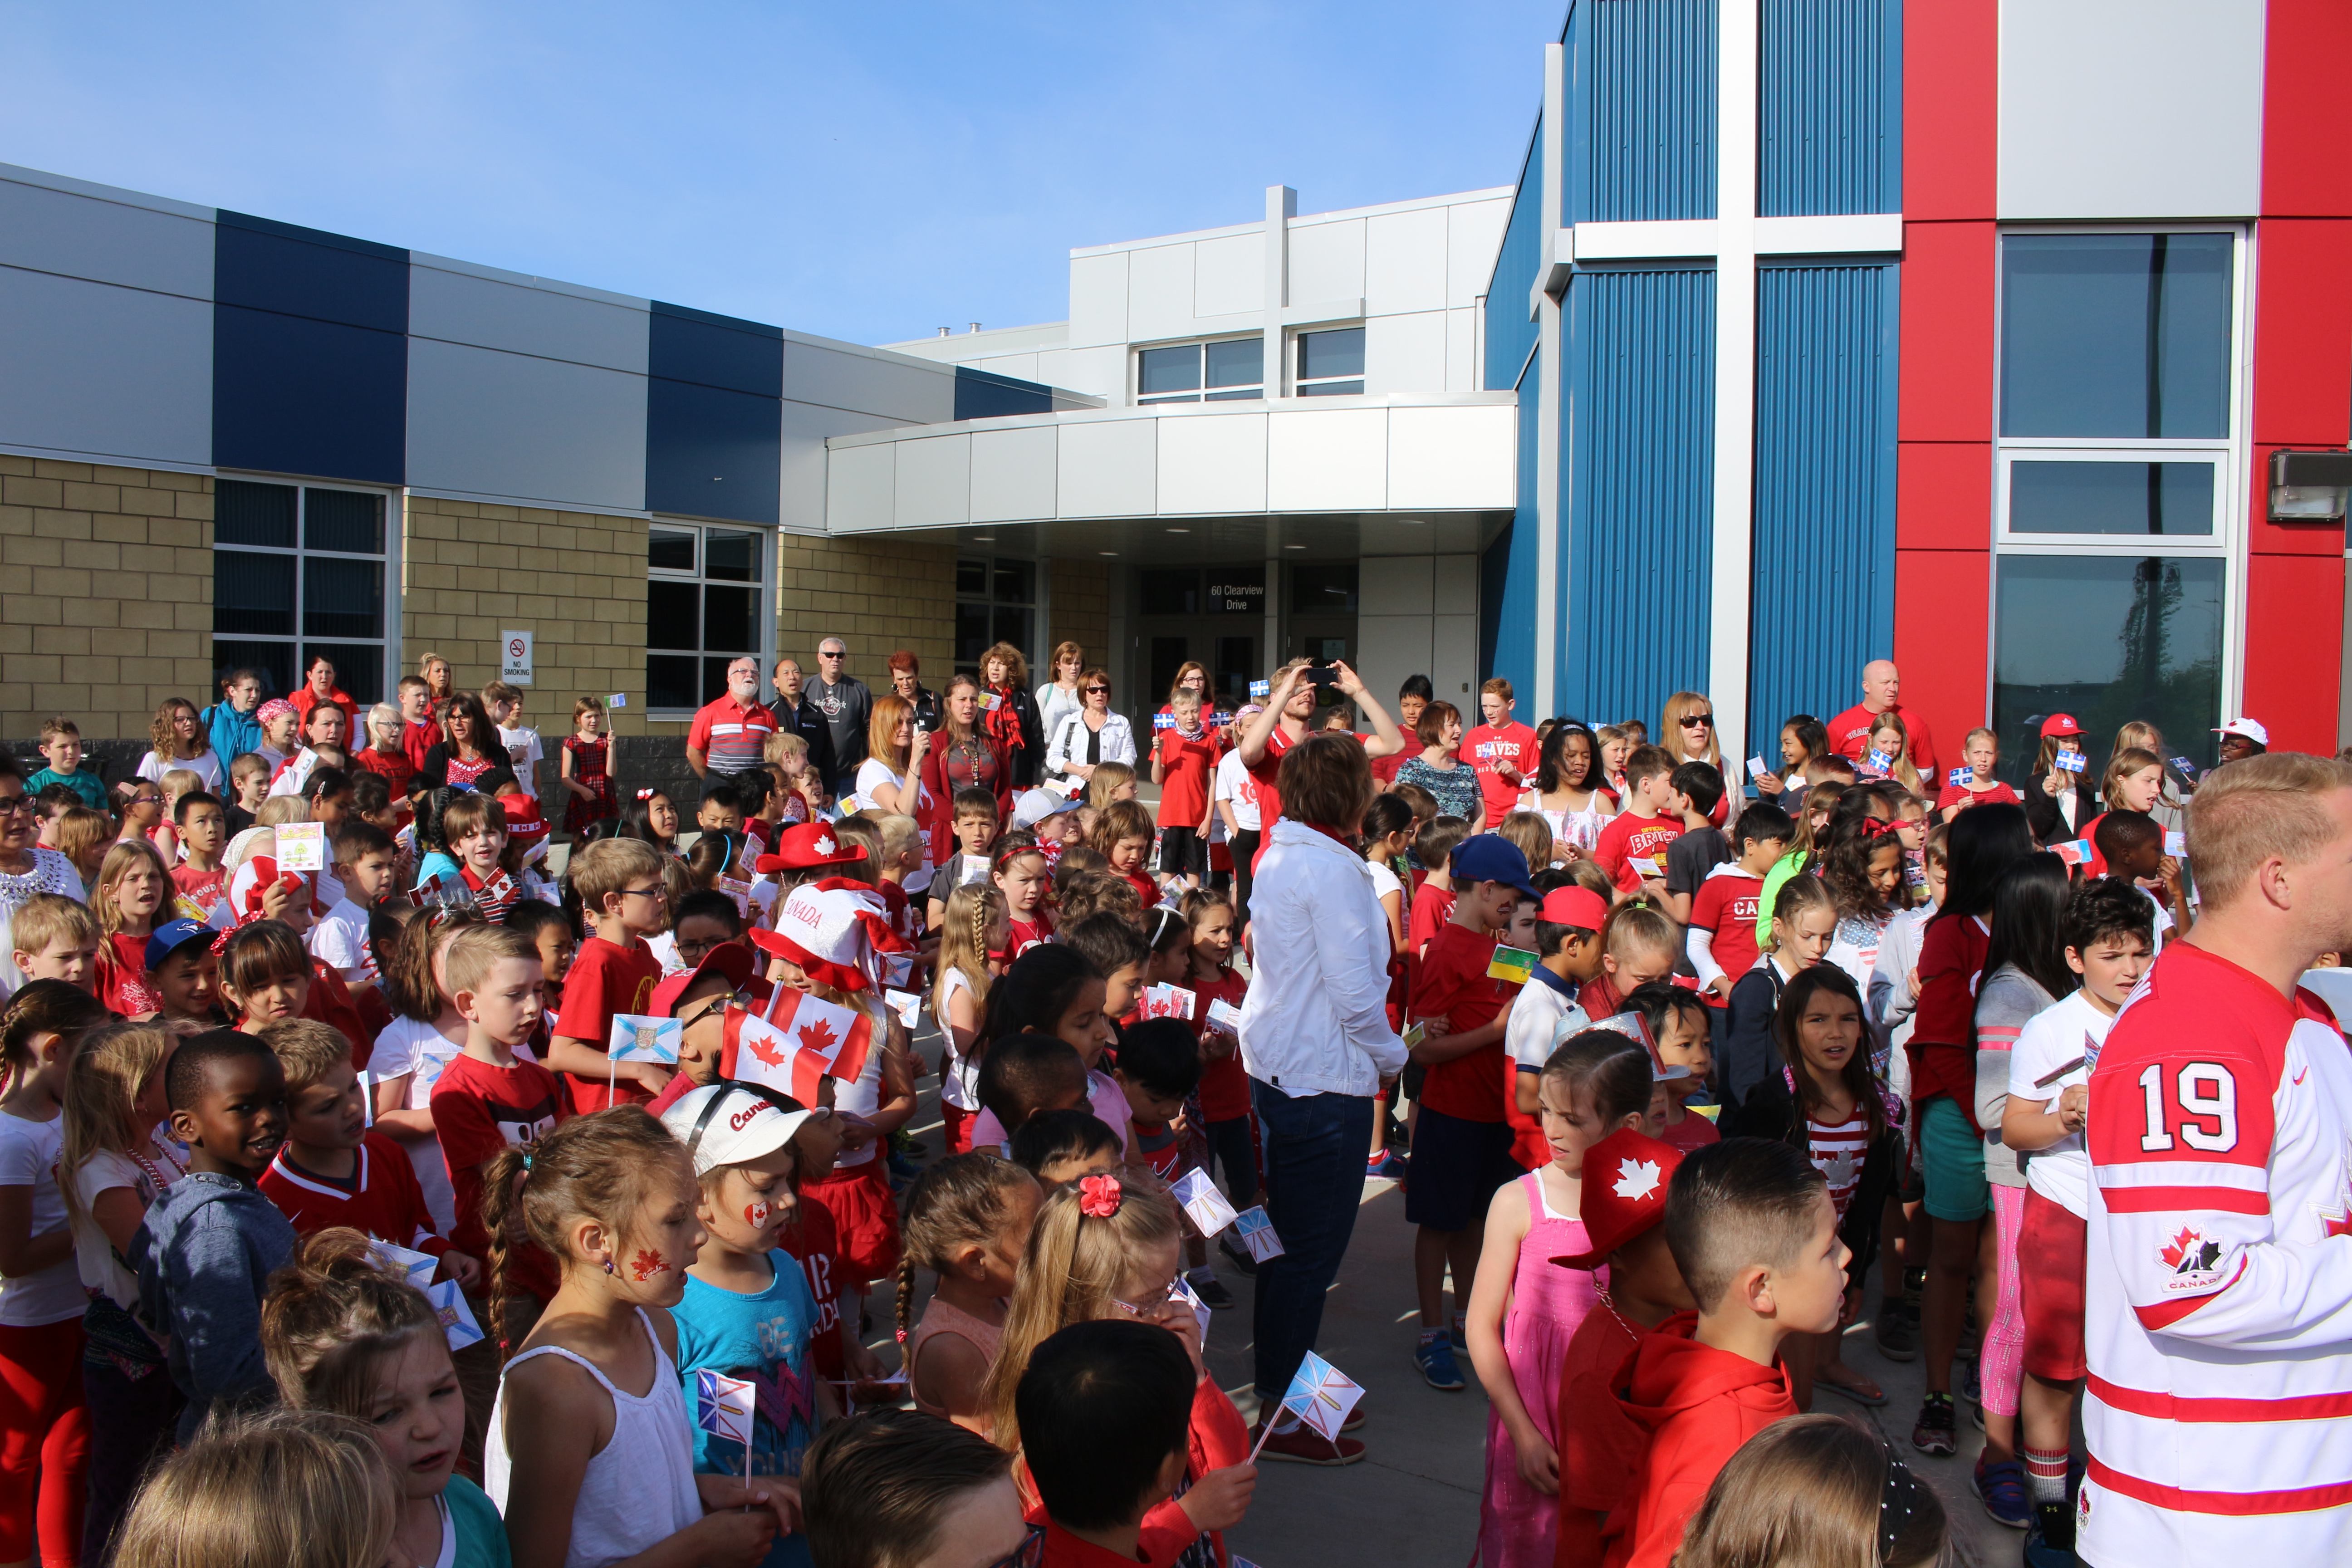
<point>1388,1167</point>
<point>2002,1486</point>
<point>1434,1356</point>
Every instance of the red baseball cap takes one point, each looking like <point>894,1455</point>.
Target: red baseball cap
<point>1626,1175</point>
<point>730,959</point>
<point>806,847</point>
<point>1575,906</point>
<point>2060,724</point>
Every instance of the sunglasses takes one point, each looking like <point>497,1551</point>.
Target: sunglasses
<point>1696,720</point>
<point>1098,690</point>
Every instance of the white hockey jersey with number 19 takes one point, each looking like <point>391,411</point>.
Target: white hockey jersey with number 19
<point>2218,1315</point>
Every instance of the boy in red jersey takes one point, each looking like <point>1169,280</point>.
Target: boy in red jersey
<point>1632,847</point>
<point>1501,752</point>
<point>1722,939</point>
<point>619,881</point>
<point>1461,1141</point>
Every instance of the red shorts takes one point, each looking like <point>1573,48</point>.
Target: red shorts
<point>2049,1250</point>
<point>865,1219</point>
<point>955,1125</point>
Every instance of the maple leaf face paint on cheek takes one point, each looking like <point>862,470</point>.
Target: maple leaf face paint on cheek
<point>755,1215</point>
<point>646,1264</point>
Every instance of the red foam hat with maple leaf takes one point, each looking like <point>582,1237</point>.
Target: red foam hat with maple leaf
<point>807,846</point>
<point>1626,1175</point>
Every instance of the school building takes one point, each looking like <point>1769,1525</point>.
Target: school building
<point>2011,339</point>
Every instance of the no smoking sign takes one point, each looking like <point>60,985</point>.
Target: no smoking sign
<point>514,653</point>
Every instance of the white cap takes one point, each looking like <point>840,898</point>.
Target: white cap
<point>727,1124</point>
<point>1036,805</point>
<point>2246,729</point>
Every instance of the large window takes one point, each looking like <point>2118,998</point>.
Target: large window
<point>1330,364</point>
<point>996,601</point>
<point>704,591</point>
<point>1225,371</point>
<point>2116,484</point>
<point>298,571</point>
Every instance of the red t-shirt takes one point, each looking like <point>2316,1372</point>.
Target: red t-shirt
<point>1693,1131</point>
<point>480,1110</point>
<point>1145,888</point>
<point>1943,1028</point>
<point>1453,983</point>
<point>1601,1447</point>
<point>811,1239</point>
<point>202,889</point>
<point>1432,909</point>
<point>121,976</point>
<point>1224,1082</point>
<point>1628,840</point>
<point>731,737</point>
<point>396,769</point>
<point>1850,735</point>
<point>605,981</point>
<point>1188,765</point>
<point>1270,796</point>
<point>330,1002</point>
<point>1023,935</point>
<point>381,1199</point>
<point>1952,794</point>
<point>416,739</point>
<point>1487,746</point>
<point>1725,905</point>
<point>1384,769</point>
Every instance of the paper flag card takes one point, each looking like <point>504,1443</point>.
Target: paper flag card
<point>1256,1229</point>
<point>907,1005</point>
<point>302,847</point>
<point>2176,844</point>
<point>642,1038</point>
<point>1163,721</point>
<point>1191,1298</point>
<point>1321,1396</point>
<point>1709,1111</point>
<point>808,1041</point>
<point>1168,1002</point>
<point>1210,1209</point>
<point>2188,769</point>
<point>1414,1033</point>
<point>1960,778</point>
<point>723,1405</point>
<point>457,1318</point>
<point>737,890</point>
<point>1881,761</point>
<point>975,870</point>
<point>897,968</point>
<point>1261,688</point>
<point>417,1268</point>
<point>1220,719</point>
<point>991,702</point>
<point>1512,964</point>
<point>618,699</point>
<point>1755,768</point>
<point>2073,851</point>
<point>2071,762</point>
<point>1632,1026</point>
<point>1224,1015</point>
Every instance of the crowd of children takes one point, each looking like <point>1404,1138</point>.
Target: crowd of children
<point>347,1150</point>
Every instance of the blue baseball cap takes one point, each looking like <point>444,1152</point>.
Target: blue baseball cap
<point>1491,857</point>
<point>173,935</point>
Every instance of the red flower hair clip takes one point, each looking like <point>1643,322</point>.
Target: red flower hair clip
<point>1099,1197</point>
<point>647,794</point>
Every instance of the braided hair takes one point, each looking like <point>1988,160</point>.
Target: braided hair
<point>960,1202</point>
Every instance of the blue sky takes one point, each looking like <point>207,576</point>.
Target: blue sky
<point>867,171</point>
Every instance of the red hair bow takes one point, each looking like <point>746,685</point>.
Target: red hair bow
<point>1099,1197</point>
<point>1872,827</point>
<point>647,794</point>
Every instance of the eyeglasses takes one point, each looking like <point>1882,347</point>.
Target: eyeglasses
<point>1154,1305</point>
<point>1098,690</point>
<point>642,892</point>
<point>145,800</point>
<point>1028,1554</point>
<point>1696,720</point>
<point>11,804</point>
<point>718,1005</point>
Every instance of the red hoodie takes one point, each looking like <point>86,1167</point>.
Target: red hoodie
<point>1698,1405</point>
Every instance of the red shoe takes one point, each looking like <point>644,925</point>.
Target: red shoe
<point>1302,1445</point>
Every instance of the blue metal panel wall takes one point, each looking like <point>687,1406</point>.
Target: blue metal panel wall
<point>1641,108</point>
<point>1510,327</point>
<point>985,394</point>
<point>1638,465</point>
<point>1824,575</point>
<point>310,352</point>
<point>1830,108</point>
<point>714,412</point>
<point>1508,578</point>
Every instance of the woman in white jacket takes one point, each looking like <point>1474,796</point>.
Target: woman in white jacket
<point>1091,735</point>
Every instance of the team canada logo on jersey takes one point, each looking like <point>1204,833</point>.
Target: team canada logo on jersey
<point>2191,1257</point>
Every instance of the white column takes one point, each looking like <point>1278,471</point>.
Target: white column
<point>1734,378</point>
<point>1550,374</point>
<point>1281,206</point>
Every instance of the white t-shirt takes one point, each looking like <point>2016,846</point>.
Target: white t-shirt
<point>1234,784</point>
<point>205,764</point>
<point>1384,881</point>
<point>960,1084</point>
<point>2068,1031</point>
<point>29,1158</point>
<point>523,753</point>
<point>1534,1023</point>
<point>421,1051</point>
<point>340,938</point>
<point>94,1257</point>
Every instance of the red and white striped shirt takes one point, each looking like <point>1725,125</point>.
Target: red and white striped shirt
<point>1839,1149</point>
<point>2218,1275</point>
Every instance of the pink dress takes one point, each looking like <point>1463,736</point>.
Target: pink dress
<point>1518,1525</point>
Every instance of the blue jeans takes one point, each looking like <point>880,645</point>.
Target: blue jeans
<point>1314,1149</point>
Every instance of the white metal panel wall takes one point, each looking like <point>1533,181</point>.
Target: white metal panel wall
<point>1106,468</point>
<point>77,235</point>
<point>111,374</point>
<point>1326,260</point>
<point>1228,274</point>
<point>1013,473</point>
<point>2130,109</point>
<point>538,430</point>
<point>1404,354</point>
<point>801,468</point>
<point>1474,233</point>
<point>830,377</point>
<point>1213,463</point>
<point>933,483</point>
<point>1404,264</point>
<point>1394,628</point>
<point>1097,302</point>
<point>1329,460</point>
<point>463,304</point>
<point>1159,292</point>
<point>1454,633</point>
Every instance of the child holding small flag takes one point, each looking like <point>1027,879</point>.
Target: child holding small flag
<point>621,902</point>
<point>575,1453</point>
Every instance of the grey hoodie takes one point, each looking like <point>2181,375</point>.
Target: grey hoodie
<point>203,1255</point>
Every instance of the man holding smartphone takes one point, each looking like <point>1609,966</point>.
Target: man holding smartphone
<point>1297,688</point>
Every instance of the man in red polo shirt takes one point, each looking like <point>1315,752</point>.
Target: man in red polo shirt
<point>730,735</point>
<point>1502,754</point>
<point>1882,683</point>
<point>1283,725</point>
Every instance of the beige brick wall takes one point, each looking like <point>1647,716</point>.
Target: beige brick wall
<point>575,581</point>
<point>877,595</point>
<point>106,594</point>
<point>1080,609</point>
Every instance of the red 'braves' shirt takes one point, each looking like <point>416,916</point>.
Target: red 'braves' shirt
<point>1265,773</point>
<point>1486,748</point>
<point>1632,847</point>
<point>1726,904</point>
<point>1850,735</point>
<point>480,1110</point>
<point>1224,1082</point>
<point>1186,765</point>
<point>811,1238</point>
<point>2218,1274</point>
<point>380,1198</point>
<point>1453,983</point>
<point>605,981</point>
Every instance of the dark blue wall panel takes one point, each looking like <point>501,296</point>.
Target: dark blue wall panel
<point>985,394</point>
<point>1823,602</point>
<point>310,352</point>
<point>1508,579</point>
<point>1830,106</point>
<point>714,413</point>
<point>1640,110</point>
<point>1637,465</point>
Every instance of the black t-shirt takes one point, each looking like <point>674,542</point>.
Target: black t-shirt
<point>1690,857</point>
<point>846,705</point>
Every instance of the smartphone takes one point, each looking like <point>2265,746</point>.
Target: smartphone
<point>1318,675</point>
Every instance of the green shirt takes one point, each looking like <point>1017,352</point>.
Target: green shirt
<point>81,781</point>
<point>481,1533</point>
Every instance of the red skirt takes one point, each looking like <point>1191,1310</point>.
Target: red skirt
<point>865,1218</point>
